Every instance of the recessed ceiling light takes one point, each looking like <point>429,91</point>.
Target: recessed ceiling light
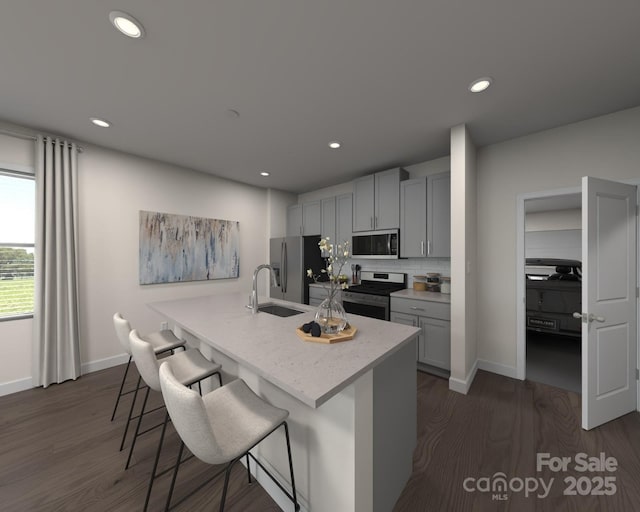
<point>265,173</point>
<point>334,144</point>
<point>127,24</point>
<point>102,123</point>
<point>481,84</point>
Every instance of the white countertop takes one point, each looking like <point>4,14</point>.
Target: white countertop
<point>268,344</point>
<point>410,293</point>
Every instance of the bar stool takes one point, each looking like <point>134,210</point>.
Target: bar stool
<point>190,367</point>
<point>162,341</point>
<point>221,426</point>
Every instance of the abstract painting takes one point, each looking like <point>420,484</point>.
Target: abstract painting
<point>177,248</point>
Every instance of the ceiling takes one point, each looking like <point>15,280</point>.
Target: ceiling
<point>387,79</point>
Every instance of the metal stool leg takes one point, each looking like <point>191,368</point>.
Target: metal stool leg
<point>124,378</point>
<point>133,403</point>
<point>293,482</point>
<point>173,478</point>
<point>227,474</point>
<point>155,464</point>
<point>135,436</point>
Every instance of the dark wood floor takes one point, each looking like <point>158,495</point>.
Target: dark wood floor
<point>59,452</point>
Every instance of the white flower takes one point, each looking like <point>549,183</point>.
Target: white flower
<point>329,268</point>
<point>345,254</point>
<point>309,272</point>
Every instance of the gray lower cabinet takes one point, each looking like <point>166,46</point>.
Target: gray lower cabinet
<point>433,318</point>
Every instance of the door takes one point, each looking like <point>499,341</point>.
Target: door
<point>363,197</point>
<point>276,260</point>
<point>312,218</point>
<point>294,220</point>
<point>439,216</point>
<point>413,218</point>
<point>329,222</point>
<point>292,281</point>
<point>344,218</point>
<point>387,200</point>
<point>609,329</point>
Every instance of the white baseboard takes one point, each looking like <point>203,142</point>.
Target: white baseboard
<point>462,386</point>
<point>500,369</point>
<point>14,386</point>
<point>101,364</point>
<point>6,388</point>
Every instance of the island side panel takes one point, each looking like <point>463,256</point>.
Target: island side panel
<point>394,425</point>
<point>326,445</point>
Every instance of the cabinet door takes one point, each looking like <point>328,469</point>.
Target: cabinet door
<point>437,342</point>
<point>344,218</point>
<point>329,221</point>
<point>401,318</point>
<point>413,218</point>
<point>439,215</point>
<point>387,200</point>
<point>294,220</point>
<point>312,218</point>
<point>363,200</point>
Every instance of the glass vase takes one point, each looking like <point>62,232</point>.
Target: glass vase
<point>331,316</point>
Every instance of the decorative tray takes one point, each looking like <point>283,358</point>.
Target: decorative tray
<point>345,335</point>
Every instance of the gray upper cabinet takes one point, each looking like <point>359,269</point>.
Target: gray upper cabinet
<point>294,220</point>
<point>337,219</point>
<point>425,217</point>
<point>304,219</point>
<point>344,218</point>
<point>312,218</point>
<point>413,218</point>
<point>376,200</point>
<point>329,221</point>
<point>363,203</point>
<point>439,215</point>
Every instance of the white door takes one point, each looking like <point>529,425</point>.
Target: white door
<point>608,301</point>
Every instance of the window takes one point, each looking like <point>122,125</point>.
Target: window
<point>17,234</point>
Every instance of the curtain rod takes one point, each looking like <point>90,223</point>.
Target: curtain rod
<point>26,136</point>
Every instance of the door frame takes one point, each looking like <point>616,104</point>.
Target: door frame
<point>521,298</point>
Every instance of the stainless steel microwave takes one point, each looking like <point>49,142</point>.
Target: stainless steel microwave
<point>375,244</point>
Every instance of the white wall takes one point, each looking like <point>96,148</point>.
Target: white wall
<point>113,187</point>
<point>605,147</point>
<point>554,220</point>
<point>463,260</point>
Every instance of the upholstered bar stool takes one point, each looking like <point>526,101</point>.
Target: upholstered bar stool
<point>162,341</point>
<point>222,426</point>
<point>190,366</point>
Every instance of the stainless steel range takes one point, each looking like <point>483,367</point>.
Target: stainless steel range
<point>372,297</point>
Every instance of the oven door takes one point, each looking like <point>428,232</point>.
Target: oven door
<point>373,309</point>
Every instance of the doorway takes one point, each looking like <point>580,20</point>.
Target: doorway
<point>609,351</point>
<point>553,287</point>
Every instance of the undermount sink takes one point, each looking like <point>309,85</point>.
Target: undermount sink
<point>276,309</point>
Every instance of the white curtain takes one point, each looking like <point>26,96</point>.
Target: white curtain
<point>56,351</point>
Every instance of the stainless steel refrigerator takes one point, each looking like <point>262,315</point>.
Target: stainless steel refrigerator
<point>290,257</point>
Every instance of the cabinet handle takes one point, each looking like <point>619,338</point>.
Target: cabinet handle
<point>428,247</point>
<point>422,247</point>
<point>416,308</point>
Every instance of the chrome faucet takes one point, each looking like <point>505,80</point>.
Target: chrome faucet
<point>253,304</point>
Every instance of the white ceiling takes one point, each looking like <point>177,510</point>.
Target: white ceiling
<point>387,78</point>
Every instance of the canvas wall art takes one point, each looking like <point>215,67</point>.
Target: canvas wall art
<point>176,248</point>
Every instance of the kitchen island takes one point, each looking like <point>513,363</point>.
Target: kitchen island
<point>352,404</point>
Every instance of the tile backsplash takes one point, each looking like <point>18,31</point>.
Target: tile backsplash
<point>410,266</point>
